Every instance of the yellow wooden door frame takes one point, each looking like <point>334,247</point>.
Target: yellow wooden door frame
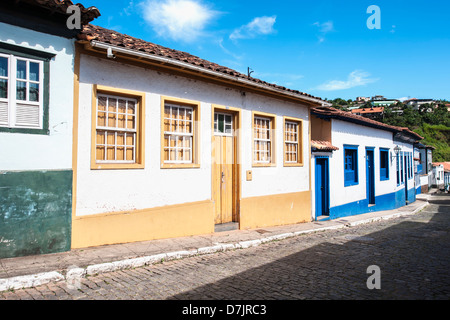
<point>216,176</point>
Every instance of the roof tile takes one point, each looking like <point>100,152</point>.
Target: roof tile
<point>91,32</point>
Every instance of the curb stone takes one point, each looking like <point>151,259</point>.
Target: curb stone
<point>72,274</point>
<point>30,281</point>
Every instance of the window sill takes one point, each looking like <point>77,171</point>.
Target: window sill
<point>293,165</point>
<point>351,184</point>
<point>42,132</point>
<point>179,166</point>
<point>264,165</point>
<point>116,166</point>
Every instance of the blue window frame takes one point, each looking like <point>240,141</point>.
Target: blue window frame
<point>350,165</point>
<point>408,162</point>
<point>398,169</point>
<point>402,167</point>
<point>384,164</point>
<point>411,165</point>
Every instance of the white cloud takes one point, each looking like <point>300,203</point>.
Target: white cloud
<point>258,26</point>
<point>128,10</point>
<point>355,79</point>
<point>325,27</point>
<point>178,19</point>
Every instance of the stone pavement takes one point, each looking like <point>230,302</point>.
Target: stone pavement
<point>27,272</point>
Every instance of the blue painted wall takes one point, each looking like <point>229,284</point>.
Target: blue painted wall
<point>419,190</point>
<point>382,203</point>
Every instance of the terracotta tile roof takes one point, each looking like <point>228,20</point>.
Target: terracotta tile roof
<point>323,145</point>
<point>368,110</point>
<point>91,32</point>
<point>330,112</point>
<point>445,164</point>
<point>60,6</point>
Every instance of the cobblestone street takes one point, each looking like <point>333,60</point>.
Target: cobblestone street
<point>412,253</point>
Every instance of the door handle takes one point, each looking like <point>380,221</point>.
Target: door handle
<point>223,177</point>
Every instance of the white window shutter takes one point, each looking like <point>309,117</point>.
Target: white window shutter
<point>27,115</point>
<point>3,113</point>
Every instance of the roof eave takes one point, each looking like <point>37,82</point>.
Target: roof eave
<point>184,66</point>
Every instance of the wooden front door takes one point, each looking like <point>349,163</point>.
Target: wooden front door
<point>224,168</point>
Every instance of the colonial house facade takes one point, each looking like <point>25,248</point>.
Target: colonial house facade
<point>359,165</point>
<point>36,103</point>
<point>167,145</point>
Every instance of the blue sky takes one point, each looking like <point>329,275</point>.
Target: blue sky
<point>321,47</point>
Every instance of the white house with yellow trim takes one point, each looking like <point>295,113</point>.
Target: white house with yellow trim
<point>170,145</point>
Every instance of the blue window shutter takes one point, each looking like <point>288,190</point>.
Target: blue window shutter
<point>350,165</point>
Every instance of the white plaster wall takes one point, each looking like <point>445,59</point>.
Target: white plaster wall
<point>101,191</point>
<point>346,133</point>
<point>43,152</point>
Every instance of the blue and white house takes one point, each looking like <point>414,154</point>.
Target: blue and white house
<point>36,118</point>
<point>423,155</point>
<point>359,165</point>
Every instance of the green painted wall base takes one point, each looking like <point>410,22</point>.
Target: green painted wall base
<point>35,212</point>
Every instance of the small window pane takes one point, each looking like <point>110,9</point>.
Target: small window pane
<point>112,105</point>
<point>3,88</point>
<point>122,106</point>
<point>34,71</point>
<point>102,103</point>
<point>21,91</point>
<point>120,139</point>
<point>112,120</point>
<point>3,67</point>
<point>34,92</point>
<point>100,153</point>
<point>101,119</point>
<point>121,122</point>
<point>120,153</point>
<point>21,69</point>
<point>221,123</point>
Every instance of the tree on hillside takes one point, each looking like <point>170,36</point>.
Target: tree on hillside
<point>430,121</point>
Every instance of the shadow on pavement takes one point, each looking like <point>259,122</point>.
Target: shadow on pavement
<point>413,256</point>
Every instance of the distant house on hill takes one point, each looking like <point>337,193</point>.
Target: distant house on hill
<point>371,113</point>
<point>416,103</point>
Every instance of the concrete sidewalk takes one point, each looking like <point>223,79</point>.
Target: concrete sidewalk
<point>26,272</point>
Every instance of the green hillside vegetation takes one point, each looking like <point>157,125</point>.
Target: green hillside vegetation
<point>431,123</point>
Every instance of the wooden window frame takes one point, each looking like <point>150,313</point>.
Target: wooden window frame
<point>272,130</point>
<point>195,152</point>
<point>299,123</point>
<point>139,162</point>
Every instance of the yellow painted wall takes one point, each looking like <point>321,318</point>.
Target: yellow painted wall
<point>275,210</point>
<point>143,225</point>
<point>320,129</point>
